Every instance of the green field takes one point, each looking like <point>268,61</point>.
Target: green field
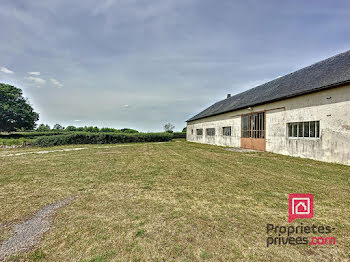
<point>173,201</point>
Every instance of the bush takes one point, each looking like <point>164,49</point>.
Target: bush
<point>101,138</point>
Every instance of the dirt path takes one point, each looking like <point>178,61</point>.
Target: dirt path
<point>28,233</point>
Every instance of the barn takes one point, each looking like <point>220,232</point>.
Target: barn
<point>305,114</point>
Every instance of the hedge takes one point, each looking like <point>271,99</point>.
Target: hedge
<point>179,135</point>
<point>16,142</point>
<point>101,138</point>
<point>33,134</point>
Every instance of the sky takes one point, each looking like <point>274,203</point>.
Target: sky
<point>143,63</point>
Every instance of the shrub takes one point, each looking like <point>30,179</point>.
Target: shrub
<point>101,138</point>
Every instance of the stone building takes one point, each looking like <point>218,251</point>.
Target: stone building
<point>304,114</point>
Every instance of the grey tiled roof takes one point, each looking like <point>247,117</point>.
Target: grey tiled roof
<point>328,73</point>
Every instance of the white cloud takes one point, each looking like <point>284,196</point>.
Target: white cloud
<point>37,80</point>
<point>34,73</point>
<point>126,106</point>
<point>77,120</point>
<point>56,82</point>
<point>6,70</point>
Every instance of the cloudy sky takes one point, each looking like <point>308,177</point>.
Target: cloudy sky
<point>142,63</point>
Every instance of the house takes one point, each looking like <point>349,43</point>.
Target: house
<point>304,114</point>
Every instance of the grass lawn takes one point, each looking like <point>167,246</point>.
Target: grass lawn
<point>174,201</point>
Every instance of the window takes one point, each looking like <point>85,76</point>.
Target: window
<point>312,129</point>
<point>253,125</point>
<point>246,126</point>
<point>259,125</point>
<point>301,129</point>
<point>295,130</point>
<point>226,131</point>
<point>199,132</point>
<point>304,129</point>
<point>210,131</point>
<point>317,128</point>
<point>191,131</point>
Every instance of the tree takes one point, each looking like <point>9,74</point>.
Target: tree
<point>91,129</point>
<point>88,129</point>
<point>128,130</point>
<point>58,127</point>
<point>169,127</point>
<point>71,128</point>
<point>43,128</point>
<point>107,129</point>
<point>184,130</point>
<point>15,111</point>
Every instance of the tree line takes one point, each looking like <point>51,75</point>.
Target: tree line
<point>17,114</point>
<point>92,129</point>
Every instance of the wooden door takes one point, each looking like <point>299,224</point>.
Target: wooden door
<point>253,131</point>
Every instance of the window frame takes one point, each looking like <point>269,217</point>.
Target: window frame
<point>226,127</point>
<point>199,129</point>
<point>253,125</point>
<point>295,128</point>
<point>246,126</point>
<point>209,133</point>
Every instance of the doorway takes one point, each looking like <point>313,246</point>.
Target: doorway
<point>253,131</point>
